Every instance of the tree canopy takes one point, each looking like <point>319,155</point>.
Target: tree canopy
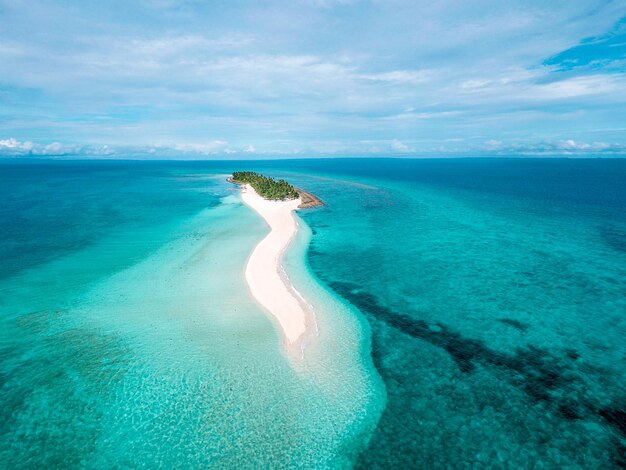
<point>267,188</point>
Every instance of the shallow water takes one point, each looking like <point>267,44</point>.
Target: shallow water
<point>494,292</point>
<point>163,359</point>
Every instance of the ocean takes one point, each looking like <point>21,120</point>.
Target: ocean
<point>471,314</point>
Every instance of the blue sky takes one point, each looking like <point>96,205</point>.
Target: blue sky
<point>308,78</point>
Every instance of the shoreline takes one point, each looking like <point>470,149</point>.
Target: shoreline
<point>266,278</point>
<point>307,199</point>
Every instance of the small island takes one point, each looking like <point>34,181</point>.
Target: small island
<point>267,280</point>
<point>270,189</point>
<point>266,187</point>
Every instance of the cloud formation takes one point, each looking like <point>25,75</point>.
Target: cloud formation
<point>311,77</point>
<point>13,147</point>
<point>567,147</point>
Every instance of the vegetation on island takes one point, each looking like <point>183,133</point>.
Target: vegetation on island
<point>267,188</point>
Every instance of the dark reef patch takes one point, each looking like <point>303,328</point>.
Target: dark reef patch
<point>614,236</point>
<point>518,325</point>
<point>544,376</point>
<point>572,354</point>
<point>616,417</point>
<point>569,411</point>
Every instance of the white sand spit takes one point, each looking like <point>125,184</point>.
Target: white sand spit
<point>263,272</point>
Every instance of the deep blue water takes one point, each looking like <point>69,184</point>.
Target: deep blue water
<point>494,289</point>
<point>53,208</point>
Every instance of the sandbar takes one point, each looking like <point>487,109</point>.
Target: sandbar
<point>264,275</point>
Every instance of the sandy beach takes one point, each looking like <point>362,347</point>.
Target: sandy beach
<point>263,272</point>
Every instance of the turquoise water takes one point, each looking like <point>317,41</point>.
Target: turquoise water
<point>137,343</point>
<point>493,291</point>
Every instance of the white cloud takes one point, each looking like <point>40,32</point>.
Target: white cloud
<point>413,77</point>
<point>15,145</point>
<point>414,71</point>
<point>202,148</point>
<point>412,115</point>
<point>182,44</point>
<point>57,149</point>
<point>332,3</point>
<point>398,146</point>
<point>558,147</point>
<point>580,86</point>
<point>103,151</point>
<point>221,149</point>
<point>493,144</point>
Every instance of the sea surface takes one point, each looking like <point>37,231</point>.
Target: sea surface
<point>471,313</point>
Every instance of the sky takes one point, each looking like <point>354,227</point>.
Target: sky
<point>312,78</point>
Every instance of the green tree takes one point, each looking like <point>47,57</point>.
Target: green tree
<point>267,188</point>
